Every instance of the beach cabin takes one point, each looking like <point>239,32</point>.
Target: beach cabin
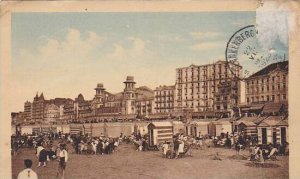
<point>178,127</point>
<point>87,129</point>
<point>27,129</point>
<point>217,128</point>
<point>273,130</point>
<point>282,131</point>
<point>35,129</point>
<point>199,127</point>
<point>64,129</point>
<point>45,129</point>
<point>76,129</point>
<point>187,128</point>
<point>160,132</point>
<point>247,127</point>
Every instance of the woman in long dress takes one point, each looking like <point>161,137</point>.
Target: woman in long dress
<point>165,148</point>
<point>42,155</point>
<point>181,147</point>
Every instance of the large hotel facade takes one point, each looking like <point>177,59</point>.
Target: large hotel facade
<point>212,88</point>
<point>269,84</point>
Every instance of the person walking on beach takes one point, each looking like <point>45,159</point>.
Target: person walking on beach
<point>27,173</point>
<point>165,149</point>
<point>63,158</point>
<point>41,154</point>
<point>176,147</point>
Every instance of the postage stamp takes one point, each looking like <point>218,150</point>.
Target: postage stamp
<point>243,47</point>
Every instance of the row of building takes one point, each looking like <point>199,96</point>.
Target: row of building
<point>203,91</point>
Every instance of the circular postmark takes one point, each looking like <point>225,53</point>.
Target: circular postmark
<point>244,51</point>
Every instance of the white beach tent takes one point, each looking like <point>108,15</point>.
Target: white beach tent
<point>160,132</point>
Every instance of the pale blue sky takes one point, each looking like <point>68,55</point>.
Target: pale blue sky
<point>64,54</point>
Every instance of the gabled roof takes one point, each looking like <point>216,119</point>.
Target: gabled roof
<point>284,122</point>
<point>161,124</point>
<point>271,121</point>
<point>247,123</point>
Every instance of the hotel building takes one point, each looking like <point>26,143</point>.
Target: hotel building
<point>269,84</point>
<point>164,99</point>
<point>212,87</point>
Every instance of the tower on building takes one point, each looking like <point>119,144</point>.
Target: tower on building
<point>129,84</point>
<point>99,96</point>
<point>129,95</point>
<point>99,90</point>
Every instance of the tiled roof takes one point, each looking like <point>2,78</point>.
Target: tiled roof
<point>271,121</point>
<point>161,124</point>
<point>284,122</point>
<point>280,65</point>
<point>247,123</point>
<point>272,107</point>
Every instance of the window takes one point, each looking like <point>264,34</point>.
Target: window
<point>225,106</point>
<point>278,86</point>
<point>248,100</point>
<point>284,96</point>
<point>262,98</point>
<point>273,87</point>
<point>284,85</point>
<point>268,98</point>
<point>273,98</point>
<point>262,89</point>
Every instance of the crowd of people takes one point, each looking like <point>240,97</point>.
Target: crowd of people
<point>45,150</point>
<point>84,144</point>
<point>179,146</point>
<point>53,146</point>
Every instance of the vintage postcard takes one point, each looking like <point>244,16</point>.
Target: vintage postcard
<point>142,89</point>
